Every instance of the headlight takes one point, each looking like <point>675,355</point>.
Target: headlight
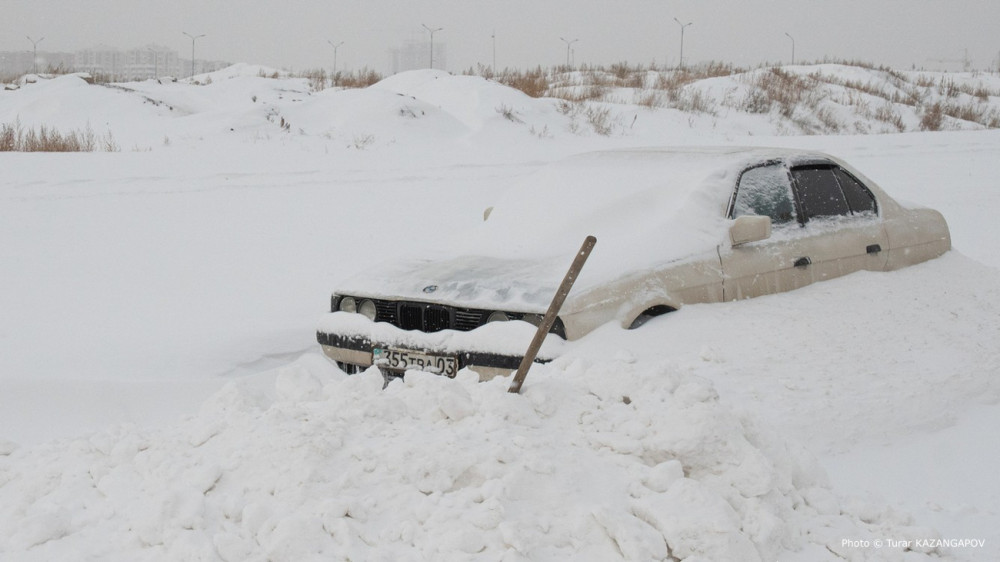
<point>348,304</point>
<point>367,308</point>
<point>533,319</point>
<point>497,316</point>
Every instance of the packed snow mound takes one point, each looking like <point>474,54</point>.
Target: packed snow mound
<point>420,107</point>
<point>242,70</point>
<point>69,103</point>
<point>472,100</point>
<point>594,461</point>
<point>363,117</point>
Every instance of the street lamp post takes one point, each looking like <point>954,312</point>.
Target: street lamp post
<point>432,31</point>
<point>568,45</point>
<point>193,38</point>
<point>335,47</point>
<point>34,53</point>
<point>793,46</point>
<point>683,25</point>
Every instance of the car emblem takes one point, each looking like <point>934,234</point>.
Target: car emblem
<point>430,288</point>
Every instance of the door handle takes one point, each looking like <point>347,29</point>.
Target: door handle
<point>803,262</point>
<point>874,248</point>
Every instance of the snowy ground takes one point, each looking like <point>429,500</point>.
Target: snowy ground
<point>163,396</point>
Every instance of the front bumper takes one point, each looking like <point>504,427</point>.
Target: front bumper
<point>496,349</point>
<point>356,350</point>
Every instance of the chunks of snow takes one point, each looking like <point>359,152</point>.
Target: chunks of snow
<point>609,460</point>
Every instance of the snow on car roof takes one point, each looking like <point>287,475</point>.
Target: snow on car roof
<point>645,206</point>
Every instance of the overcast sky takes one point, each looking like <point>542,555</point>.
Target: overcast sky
<point>294,34</point>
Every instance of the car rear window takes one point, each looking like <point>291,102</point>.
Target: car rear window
<point>819,192</point>
<point>858,197</point>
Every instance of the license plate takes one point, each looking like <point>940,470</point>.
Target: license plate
<point>404,359</point>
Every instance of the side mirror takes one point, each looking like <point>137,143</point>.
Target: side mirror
<point>749,228</point>
<point>486,213</point>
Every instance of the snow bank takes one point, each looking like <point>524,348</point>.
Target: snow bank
<point>241,70</point>
<point>421,107</point>
<point>56,103</point>
<point>359,118</point>
<point>473,100</point>
<point>594,461</point>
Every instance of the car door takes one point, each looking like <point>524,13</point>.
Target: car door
<point>816,233</point>
<point>841,221</point>
<point>766,266</point>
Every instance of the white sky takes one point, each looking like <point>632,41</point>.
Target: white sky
<point>294,34</point>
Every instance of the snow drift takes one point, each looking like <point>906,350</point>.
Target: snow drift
<point>595,461</point>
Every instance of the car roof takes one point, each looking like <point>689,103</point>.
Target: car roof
<point>672,197</point>
<point>646,206</point>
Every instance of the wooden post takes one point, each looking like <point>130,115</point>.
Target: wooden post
<point>550,315</point>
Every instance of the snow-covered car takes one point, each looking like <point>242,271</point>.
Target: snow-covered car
<point>674,227</point>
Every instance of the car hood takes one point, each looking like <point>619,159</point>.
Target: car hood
<point>517,285</point>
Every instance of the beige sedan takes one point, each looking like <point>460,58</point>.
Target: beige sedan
<point>674,227</point>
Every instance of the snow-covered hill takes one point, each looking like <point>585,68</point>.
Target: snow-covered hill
<point>248,104</point>
<point>162,396</point>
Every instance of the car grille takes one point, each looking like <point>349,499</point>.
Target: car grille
<point>423,317</point>
<point>466,320</point>
<point>428,317</point>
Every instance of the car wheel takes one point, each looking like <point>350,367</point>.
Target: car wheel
<point>649,314</point>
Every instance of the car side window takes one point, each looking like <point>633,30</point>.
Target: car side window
<point>819,192</point>
<point>767,191</point>
<point>858,197</point>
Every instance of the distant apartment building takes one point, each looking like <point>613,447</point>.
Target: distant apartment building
<point>413,55</point>
<point>140,63</point>
<point>16,63</point>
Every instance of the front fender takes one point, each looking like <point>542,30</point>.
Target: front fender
<point>611,305</point>
<point>668,287</point>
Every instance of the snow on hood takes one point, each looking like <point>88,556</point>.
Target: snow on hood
<point>519,285</point>
<point>646,207</point>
